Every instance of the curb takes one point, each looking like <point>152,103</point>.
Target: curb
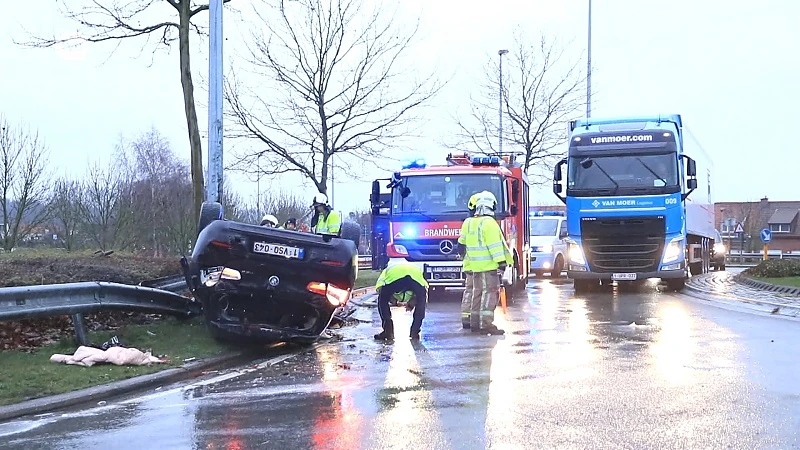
<point>779,309</point>
<point>167,376</point>
<point>766,286</point>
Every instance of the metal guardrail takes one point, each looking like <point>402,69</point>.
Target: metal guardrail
<point>77,299</point>
<point>364,261</point>
<point>753,258</point>
<point>174,283</point>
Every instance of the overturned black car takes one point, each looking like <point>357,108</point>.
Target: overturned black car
<point>259,284</point>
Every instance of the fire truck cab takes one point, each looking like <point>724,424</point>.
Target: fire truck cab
<point>417,214</point>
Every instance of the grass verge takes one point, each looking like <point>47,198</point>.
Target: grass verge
<point>25,376</point>
<point>780,281</point>
<point>367,278</point>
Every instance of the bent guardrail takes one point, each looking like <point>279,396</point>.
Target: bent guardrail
<point>174,283</point>
<point>77,299</point>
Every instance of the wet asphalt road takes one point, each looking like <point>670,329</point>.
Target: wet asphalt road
<point>639,369</point>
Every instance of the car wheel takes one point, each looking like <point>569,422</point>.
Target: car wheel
<point>558,267</point>
<point>209,212</point>
<point>352,232</point>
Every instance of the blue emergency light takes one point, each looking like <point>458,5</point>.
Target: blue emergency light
<point>415,164</point>
<point>486,161</point>
<point>547,213</point>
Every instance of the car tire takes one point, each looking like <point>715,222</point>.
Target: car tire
<point>209,212</point>
<point>352,232</point>
<point>558,267</point>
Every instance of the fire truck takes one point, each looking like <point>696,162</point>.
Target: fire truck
<point>417,214</point>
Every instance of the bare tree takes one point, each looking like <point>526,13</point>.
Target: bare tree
<point>116,20</point>
<point>104,206</point>
<point>334,87</point>
<point>285,205</point>
<point>23,188</point>
<point>65,210</point>
<point>157,181</point>
<point>541,94</point>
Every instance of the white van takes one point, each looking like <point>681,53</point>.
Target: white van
<point>548,249</point>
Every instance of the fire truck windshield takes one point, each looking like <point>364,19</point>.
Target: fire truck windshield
<point>444,194</point>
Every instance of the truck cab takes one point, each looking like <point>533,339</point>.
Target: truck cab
<point>417,215</point>
<point>548,247</point>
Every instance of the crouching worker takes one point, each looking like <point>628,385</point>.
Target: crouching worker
<point>401,284</point>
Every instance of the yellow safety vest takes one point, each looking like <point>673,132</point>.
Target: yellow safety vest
<point>486,247</point>
<point>391,274</point>
<point>462,239</point>
<point>330,224</point>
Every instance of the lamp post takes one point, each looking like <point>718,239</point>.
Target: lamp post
<point>500,108</point>
<point>214,185</point>
<point>589,67</point>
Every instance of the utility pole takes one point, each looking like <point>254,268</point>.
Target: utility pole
<point>500,109</point>
<point>589,67</point>
<point>214,186</point>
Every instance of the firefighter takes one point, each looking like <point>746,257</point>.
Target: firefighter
<point>487,254</point>
<point>269,221</point>
<point>401,284</point>
<point>466,299</point>
<point>325,220</point>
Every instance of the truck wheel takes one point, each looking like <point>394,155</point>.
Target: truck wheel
<point>209,212</point>
<point>558,267</point>
<point>583,286</point>
<point>352,232</point>
<point>676,284</point>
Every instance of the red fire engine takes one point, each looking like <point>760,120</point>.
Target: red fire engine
<point>417,214</point>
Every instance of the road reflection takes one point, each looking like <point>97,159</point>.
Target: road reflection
<point>337,423</point>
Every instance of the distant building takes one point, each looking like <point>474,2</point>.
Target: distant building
<point>779,217</point>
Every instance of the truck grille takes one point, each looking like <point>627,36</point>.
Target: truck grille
<point>429,249</point>
<point>623,244</point>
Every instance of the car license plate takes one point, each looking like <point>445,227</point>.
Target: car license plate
<point>278,250</point>
<point>623,276</point>
<point>446,269</point>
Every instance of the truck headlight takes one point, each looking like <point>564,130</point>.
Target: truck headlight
<point>576,254</point>
<point>547,248</point>
<point>673,251</point>
<point>719,248</point>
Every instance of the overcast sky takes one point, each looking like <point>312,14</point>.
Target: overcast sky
<point>730,67</point>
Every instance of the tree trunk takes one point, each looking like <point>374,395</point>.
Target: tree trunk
<point>198,188</point>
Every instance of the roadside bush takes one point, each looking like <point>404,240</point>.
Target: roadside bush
<point>775,268</point>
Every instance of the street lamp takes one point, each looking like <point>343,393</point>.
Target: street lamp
<point>589,67</point>
<point>500,109</point>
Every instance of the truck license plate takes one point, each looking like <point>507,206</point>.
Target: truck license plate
<point>623,276</point>
<point>278,250</point>
<point>446,269</point>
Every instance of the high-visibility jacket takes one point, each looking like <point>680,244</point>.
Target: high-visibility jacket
<point>393,273</point>
<point>486,246</point>
<point>462,239</point>
<point>328,224</point>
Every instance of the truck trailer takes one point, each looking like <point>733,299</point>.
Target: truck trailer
<point>638,198</point>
